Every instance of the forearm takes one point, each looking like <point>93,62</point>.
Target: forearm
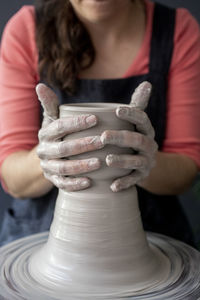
<point>23,176</point>
<point>172,174</point>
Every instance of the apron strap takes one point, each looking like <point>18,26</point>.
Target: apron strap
<point>162,41</point>
<point>160,59</point>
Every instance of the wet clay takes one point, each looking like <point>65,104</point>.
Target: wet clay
<point>96,247</point>
<point>97,244</point>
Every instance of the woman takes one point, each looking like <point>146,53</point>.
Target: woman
<point>99,50</point>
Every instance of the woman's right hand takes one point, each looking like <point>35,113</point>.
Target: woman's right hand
<point>52,149</point>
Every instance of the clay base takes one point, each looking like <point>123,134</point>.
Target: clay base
<point>97,247</point>
<point>17,284</point>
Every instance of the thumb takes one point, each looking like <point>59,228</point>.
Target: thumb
<point>49,101</point>
<point>141,95</point>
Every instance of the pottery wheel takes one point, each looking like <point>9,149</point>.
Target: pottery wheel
<point>97,248</point>
<point>17,284</point>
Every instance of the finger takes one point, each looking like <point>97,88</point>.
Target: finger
<point>65,126</point>
<point>68,148</point>
<point>69,184</point>
<point>128,181</point>
<point>137,117</point>
<point>49,101</point>
<point>141,95</point>
<point>129,139</point>
<point>70,167</point>
<point>132,162</point>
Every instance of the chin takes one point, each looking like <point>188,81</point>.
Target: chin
<point>98,10</point>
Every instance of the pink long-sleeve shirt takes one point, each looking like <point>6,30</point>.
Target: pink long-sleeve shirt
<point>19,106</point>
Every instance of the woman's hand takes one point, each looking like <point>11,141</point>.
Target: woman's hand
<point>52,150</point>
<point>141,140</point>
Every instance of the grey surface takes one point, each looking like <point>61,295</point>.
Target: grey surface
<point>190,200</point>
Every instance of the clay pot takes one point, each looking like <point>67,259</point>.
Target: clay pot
<point>97,246</point>
<point>107,119</point>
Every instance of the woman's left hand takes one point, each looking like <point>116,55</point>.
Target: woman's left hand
<point>141,140</point>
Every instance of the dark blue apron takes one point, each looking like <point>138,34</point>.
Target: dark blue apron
<point>162,214</point>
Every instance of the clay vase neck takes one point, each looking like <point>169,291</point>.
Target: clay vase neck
<point>97,247</point>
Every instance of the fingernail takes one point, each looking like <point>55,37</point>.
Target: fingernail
<point>97,142</point>
<point>91,120</point>
<point>114,188</point>
<point>106,137</point>
<point>110,159</point>
<point>94,162</point>
<point>122,111</point>
<point>102,139</point>
<point>109,137</point>
<point>85,183</point>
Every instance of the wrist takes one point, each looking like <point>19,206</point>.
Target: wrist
<point>28,180</point>
<point>148,182</point>
<point>44,184</point>
<point>32,158</point>
<point>173,174</point>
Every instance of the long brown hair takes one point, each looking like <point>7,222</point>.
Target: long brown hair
<point>63,43</point>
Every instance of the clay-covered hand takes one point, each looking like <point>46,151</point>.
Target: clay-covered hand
<point>53,151</point>
<point>141,140</point>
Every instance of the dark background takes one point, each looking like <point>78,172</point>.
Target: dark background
<point>191,199</point>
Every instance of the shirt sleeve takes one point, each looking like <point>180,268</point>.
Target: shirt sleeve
<point>19,107</point>
<point>183,97</point>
